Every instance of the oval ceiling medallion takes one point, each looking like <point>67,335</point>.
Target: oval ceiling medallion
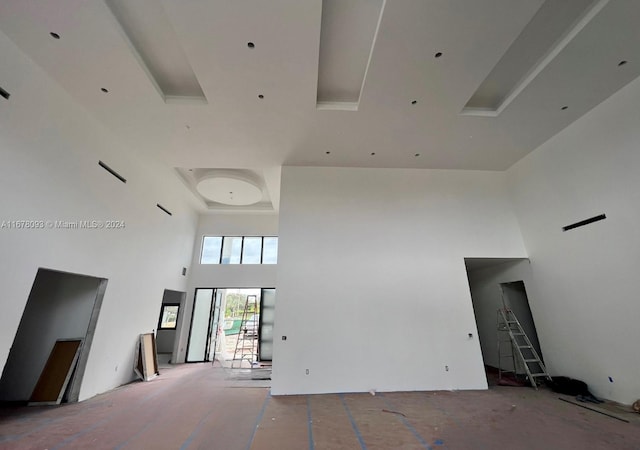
<point>230,191</point>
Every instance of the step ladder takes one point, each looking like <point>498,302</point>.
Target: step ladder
<point>247,343</point>
<point>511,334</point>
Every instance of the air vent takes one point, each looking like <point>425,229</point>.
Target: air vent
<point>584,222</point>
<point>164,209</point>
<point>112,172</point>
<point>4,94</point>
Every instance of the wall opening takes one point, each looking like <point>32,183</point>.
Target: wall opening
<point>169,323</point>
<point>515,298</point>
<point>60,306</point>
<point>232,326</point>
<point>497,283</point>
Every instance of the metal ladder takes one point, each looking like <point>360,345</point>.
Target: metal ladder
<point>520,346</point>
<point>246,346</point>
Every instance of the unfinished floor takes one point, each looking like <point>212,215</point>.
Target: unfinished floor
<point>197,406</point>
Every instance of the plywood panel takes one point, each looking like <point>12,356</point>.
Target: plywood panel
<point>146,359</point>
<point>57,371</point>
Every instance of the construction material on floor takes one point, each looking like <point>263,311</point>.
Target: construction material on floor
<point>571,386</point>
<point>146,357</point>
<point>57,372</point>
<point>594,410</point>
<point>510,380</point>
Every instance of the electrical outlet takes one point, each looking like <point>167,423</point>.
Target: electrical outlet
<point>307,371</point>
<point>446,368</point>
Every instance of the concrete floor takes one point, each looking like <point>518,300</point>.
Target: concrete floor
<point>198,406</point>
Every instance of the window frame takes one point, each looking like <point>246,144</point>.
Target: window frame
<point>164,305</point>
<point>261,249</point>
<point>242,247</point>
<point>224,240</point>
<point>219,254</point>
<point>277,238</point>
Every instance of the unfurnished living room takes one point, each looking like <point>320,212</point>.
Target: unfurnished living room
<point>323,224</point>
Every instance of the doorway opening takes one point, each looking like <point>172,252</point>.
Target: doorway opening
<point>514,297</point>
<point>169,322</point>
<point>233,326</point>
<point>61,307</point>
<point>497,283</point>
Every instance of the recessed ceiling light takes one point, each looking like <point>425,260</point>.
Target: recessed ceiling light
<point>417,154</point>
<point>564,108</point>
<point>438,55</point>
<point>622,63</point>
<point>55,35</point>
<point>105,90</point>
<point>414,102</point>
<point>260,96</point>
<point>251,45</point>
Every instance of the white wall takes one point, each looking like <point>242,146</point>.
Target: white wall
<point>49,152</point>
<point>227,275</point>
<point>585,289</point>
<point>485,283</point>
<point>372,285</point>
<point>59,307</point>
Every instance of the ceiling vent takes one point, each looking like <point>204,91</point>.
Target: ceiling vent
<point>584,222</point>
<point>112,172</point>
<point>164,209</point>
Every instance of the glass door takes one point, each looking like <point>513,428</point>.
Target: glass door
<point>202,325</point>
<point>267,314</point>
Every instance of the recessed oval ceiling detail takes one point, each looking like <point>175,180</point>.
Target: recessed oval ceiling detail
<point>230,190</point>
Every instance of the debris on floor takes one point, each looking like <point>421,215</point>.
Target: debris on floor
<point>594,410</point>
<point>394,412</point>
<point>576,388</point>
<point>511,381</point>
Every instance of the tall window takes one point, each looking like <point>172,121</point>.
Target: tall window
<point>239,250</point>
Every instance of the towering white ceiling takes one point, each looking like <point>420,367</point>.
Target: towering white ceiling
<point>222,84</point>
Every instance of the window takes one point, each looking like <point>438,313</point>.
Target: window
<point>251,250</point>
<point>169,316</point>
<point>270,250</point>
<point>211,248</point>
<point>231,250</point>
<point>239,250</point>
